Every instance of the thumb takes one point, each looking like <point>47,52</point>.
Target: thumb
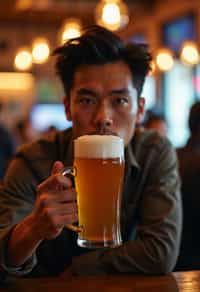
<point>57,167</point>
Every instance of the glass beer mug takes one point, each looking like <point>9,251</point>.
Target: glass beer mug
<point>99,173</point>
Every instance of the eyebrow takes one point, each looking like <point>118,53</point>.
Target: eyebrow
<point>120,91</point>
<point>84,91</point>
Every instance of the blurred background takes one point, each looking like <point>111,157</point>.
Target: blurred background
<point>30,30</point>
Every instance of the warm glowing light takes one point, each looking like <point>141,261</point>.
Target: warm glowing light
<point>32,4</point>
<point>112,14</point>
<point>164,59</point>
<point>189,53</point>
<point>16,81</point>
<point>23,4</point>
<point>40,51</point>
<point>23,59</point>
<point>71,29</point>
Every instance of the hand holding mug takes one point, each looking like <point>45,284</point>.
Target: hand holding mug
<point>55,204</point>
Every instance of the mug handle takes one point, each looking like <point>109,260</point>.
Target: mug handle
<point>70,171</point>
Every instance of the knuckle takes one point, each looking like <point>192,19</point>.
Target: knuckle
<point>43,200</point>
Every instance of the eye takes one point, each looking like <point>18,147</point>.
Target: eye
<point>86,100</point>
<point>121,101</point>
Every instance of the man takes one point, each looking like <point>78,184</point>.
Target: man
<point>189,164</point>
<point>103,80</point>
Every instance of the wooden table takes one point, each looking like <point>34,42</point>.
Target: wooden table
<point>175,282</point>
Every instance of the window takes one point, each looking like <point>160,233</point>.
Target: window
<point>45,115</point>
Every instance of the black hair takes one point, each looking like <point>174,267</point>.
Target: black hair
<point>98,46</point>
<point>194,117</point>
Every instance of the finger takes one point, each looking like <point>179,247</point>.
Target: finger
<point>60,220</point>
<point>68,208</point>
<point>69,195</point>
<point>69,218</point>
<point>56,182</point>
<point>62,209</point>
<point>57,167</point>
<point>52,198</point>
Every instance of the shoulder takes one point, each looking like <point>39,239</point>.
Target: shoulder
<point>40,155</point>
<point>45,146</point>
<point>148,140</point>
<point>153,151</point>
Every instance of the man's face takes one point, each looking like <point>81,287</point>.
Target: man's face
<point>104,101</point>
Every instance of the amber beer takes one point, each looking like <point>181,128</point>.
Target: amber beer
<point>99,161</point>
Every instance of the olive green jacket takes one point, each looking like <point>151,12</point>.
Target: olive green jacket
<point>151,213</point>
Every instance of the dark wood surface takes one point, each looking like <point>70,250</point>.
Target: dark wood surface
<point>175,282</point>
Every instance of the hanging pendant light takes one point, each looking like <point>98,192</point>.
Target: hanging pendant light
<point>71,28</point>
<point>40,50</point>
<point>189,53</point>
<point>164,59</point>
<point>112,14</point>
<point>23,59</point>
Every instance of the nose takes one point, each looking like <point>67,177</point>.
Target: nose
<point>103,117</point>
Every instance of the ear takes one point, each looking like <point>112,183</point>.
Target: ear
<point>66,103</point>
<point>141,108</point>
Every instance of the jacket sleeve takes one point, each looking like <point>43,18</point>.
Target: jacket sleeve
<point>16,201</point>
<point>155,248</point>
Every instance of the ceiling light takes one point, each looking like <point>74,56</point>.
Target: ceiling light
<point>164,59</point>
<point>70,29</point>
<point>112,14</point>
<point>40,50</point>
<point>189,53</point>
<point>23,59</point>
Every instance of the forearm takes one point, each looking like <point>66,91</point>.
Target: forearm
<point>154,251</point>
<point>137,257</point>
<point>23,242</point>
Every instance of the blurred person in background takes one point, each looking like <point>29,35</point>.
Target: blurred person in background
<point>103,80</point>
<point>50,131</point>
<point>24,132</point>
<point>155,122</point>
<point>7,146</point>
<point>189,165</point>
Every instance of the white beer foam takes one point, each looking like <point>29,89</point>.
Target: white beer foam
<point>99,146</point>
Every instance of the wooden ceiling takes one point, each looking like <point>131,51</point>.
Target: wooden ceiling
<point>53,12</point>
